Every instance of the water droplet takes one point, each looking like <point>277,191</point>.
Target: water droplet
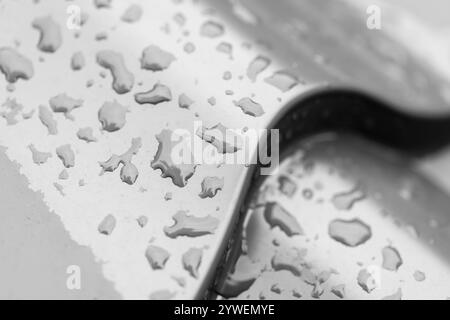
<point>63,175</point>
<point>296,293</point>
<point>10,87</point>
<point>225,47</point>
<point>287,186</point>
<point>210,186</point>
<point>129,172</point>
<point>77,62</point>
<point>191,261</point>
<point>366,281</point>
<point>277,216</point>
<point>180,19</point>
<point>351,233</point>
<point>258,65</point>
<point>225,141</point>
<point>156,257</point>
<point>395,296</point>
<point>156,59</point>
<point>86,134</point>
<point>180,281</point>
<point>308,277</point>
<point>275,288</point>
<point>112,116</point>
<point>102,3</point>
<point>189,47</point>
<point>161,295</point>
<point>250,107</point>
<point>244,275</point>
<point>191,226</point>
<point>307,194</point>
<point>46,117</point>
<point>39,157</point>
<point>60,188</point>
<point>227,75</point>
<point>184,101</point>
<point>339,290</point>
<point>107,225</point>
<point>212,101</point>
<point>159,93</point>
<point>317,291</point>
<point>211,29</point>
<point>142,221</point>
<point>132,14</point>
<point>50,34</point>
<point>28,115</point>
<point>123,79</point>
<point>346,200</point>
<point>168,196</point>
<point>180,173</point>
<point>289,259</point>
<point>66,154</point>
<point>13,109</point>
<point>282,80</point>
<point>64,104</point>
<point>100,36</point>
<point>243,13</point>
<point>15,66</point>
<point>419,276</point>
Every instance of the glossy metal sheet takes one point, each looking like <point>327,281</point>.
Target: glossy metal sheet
<point>323,44</point>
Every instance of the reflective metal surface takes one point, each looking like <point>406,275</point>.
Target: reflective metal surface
<point>324,45</point>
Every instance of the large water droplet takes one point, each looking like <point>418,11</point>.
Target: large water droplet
<point>351,233</point>
<point>50,34</point>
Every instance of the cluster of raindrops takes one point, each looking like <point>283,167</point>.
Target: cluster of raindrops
<point>112,117</point>
<point>305,239</point>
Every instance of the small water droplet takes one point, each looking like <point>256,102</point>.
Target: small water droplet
<point>391,258</point>
<point>282,80</point>
<point>256,66</point>
<point>211,29</point>
<point>156,59</point>
<point>107,225</point>
<point>346,200</point>
<point>123,79</point>
<point>159,93</point>
<point>156,256</point>
<point>277,216</point>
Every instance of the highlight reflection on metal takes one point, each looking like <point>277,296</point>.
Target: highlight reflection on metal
<point>316,46</point>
